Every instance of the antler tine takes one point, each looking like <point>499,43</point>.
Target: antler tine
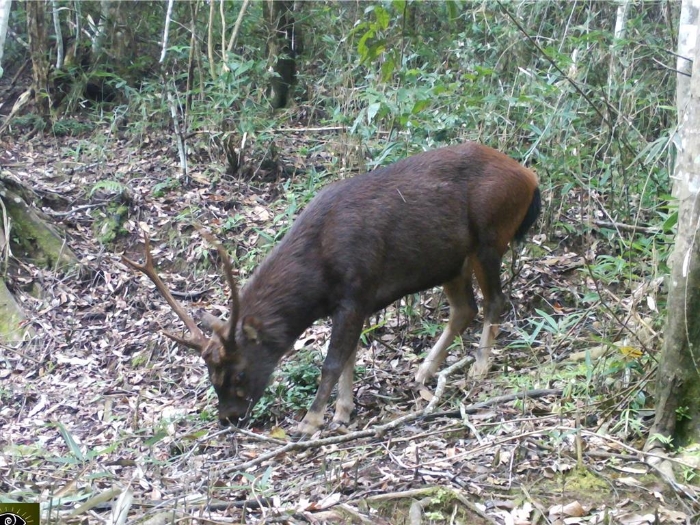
<point>198,341</point>
<point>228,273</point>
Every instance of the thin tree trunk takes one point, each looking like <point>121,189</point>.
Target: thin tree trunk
<point>237,26</point>
<point>5,6</point>
<point>620,32</point>
<point>56,14</point>
<point>283,45</point>
<point>687,35</point>
<point>166,30</point>
<point>678,381</point>
<point>210,40</point>
<point>194,7</point>
<point>39,51</point>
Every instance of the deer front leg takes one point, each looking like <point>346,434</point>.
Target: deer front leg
<point>344,405</point>
<point>347,327</point>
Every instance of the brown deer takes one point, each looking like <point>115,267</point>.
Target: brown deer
<point>436,218</point>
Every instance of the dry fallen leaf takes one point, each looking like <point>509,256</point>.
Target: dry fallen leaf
<point>573,509</point>
<point>278,433</point>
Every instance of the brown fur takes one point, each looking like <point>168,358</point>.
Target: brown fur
<point>367,241</point>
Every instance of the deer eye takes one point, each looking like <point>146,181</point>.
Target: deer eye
<point>240,377</point>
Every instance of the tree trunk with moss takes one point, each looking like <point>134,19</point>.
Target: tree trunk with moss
<point>39,52</point>
<point>678,380</point>
<point>26,234</point>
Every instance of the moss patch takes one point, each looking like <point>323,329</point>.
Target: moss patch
<point>33,238</point>
<point>11,317</point>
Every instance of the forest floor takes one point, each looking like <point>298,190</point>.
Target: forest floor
<point>100,413</point>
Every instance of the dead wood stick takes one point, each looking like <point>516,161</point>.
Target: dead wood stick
<point>191,296</point>
<point>634,228</point>
<point>411,493</point>
<point>323,128</point>
<point>427,492</point>
<point>379,430</point>
<point>415,513</point>
<point>316,443</point>
<point>470,409</point>
<point>442,382</point>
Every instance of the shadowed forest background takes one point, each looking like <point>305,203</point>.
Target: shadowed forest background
<point>119,118</point>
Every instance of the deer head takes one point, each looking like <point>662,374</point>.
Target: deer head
<point>229,369</point>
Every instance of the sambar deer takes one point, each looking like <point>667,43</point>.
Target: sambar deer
<point>436,218</point>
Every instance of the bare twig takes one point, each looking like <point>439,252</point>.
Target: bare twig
<point>179,135</point>
<point>627,227</point>
<point>427,494</point>
<point>415,513</point>
<point>470,409</point>
<point>380,430</point>
<point>322,128</point>
<point>237,26</point>
<point>442,381</point>
<point>316,443</point>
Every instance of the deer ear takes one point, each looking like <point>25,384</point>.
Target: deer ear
<point>252,329</point>
<point>213,354</point>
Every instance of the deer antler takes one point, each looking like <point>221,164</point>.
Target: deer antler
<point>224,332</point>
<point>198,341</point>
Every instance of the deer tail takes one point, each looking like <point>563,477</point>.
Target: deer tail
<point>530,216</point>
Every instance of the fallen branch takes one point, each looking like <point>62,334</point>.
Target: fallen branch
<point>316,443</point>
<point>428,493</point>
<point>415,513</point>
<point>442,382</point>
<point>471,409</point>
<point>634,228</point>
<point>323,128</point>
<point>21,101</point>
<point>379,430</point>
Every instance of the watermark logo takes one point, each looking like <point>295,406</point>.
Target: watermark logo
<point>19,514</point>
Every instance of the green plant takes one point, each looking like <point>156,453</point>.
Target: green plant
<point>293,386</point>
<point>76,455</point>
<point>26,124</point>
<point>109,224</point>
<point>682,413</point>
<point>111,186</point>
<point>162,188</point>
<point>71,127</point>
<point>257,486</point>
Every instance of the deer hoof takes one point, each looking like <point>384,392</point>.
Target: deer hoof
<point>338,427</point>
<point>304,429</point>
<point>424,373</point>
<point>479,370</point>
<point>310,424</point>
<point>342,417</point>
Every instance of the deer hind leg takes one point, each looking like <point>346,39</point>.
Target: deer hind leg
<point>487,268</point>
<point>347,327</point>
<point>463,309</point>
<point>344,405</point>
